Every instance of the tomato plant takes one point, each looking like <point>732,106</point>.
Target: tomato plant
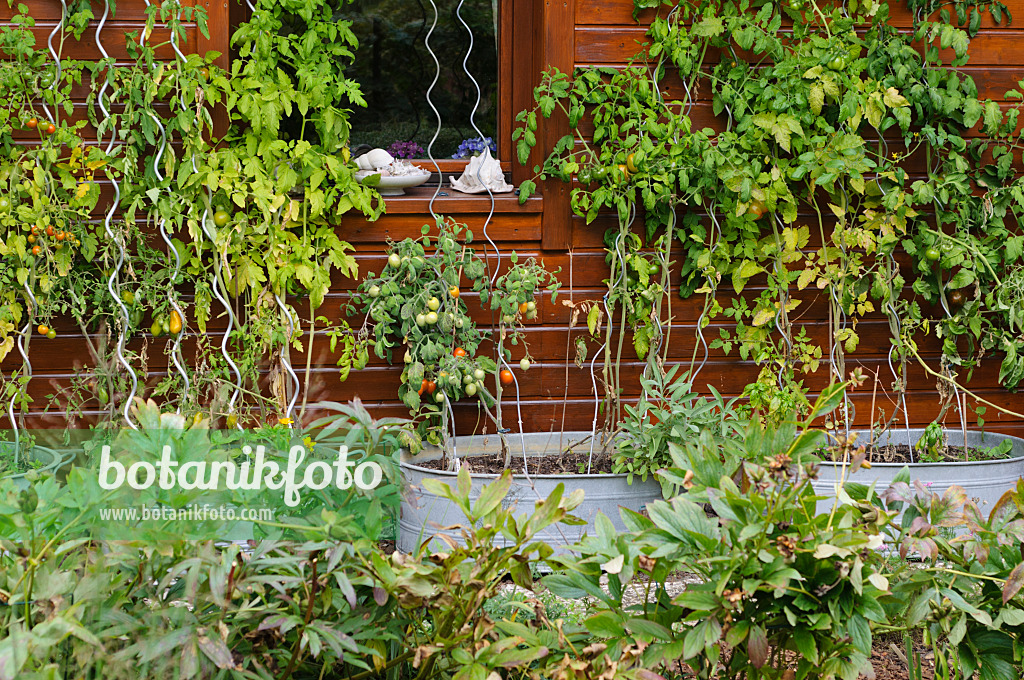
<point>414,307</point>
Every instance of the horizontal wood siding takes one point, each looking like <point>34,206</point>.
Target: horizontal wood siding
<point>555,393</point>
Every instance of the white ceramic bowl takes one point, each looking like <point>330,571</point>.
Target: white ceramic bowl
<point>394,185</point>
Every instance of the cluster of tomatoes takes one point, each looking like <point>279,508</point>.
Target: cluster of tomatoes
<point>39,236</point>
<point>527,309</point>
<point>471,378</point>
<point>46,127</point>
<point>170,324</point>
<point>933,256</point>
<point>618,173</point>
<point>46,331</point>
<point>163,324</point>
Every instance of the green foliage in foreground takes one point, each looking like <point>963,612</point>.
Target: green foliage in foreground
<point>782,591</point>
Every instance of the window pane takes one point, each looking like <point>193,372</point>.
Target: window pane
<point>395,70</point>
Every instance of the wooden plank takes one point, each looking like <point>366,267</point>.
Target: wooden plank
<point>620,12</point>
<point>50,11</point>
<point>218,40</point>
<point>552,380</point>
<point>115,40</point>
<point>523,56</point>
<point>619,44</point>
<point>558,40</point>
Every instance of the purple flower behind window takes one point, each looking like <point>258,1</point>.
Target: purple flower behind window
<point>475,147</point>
<point>406,150</point>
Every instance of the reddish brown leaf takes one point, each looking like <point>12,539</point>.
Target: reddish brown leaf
<point>1013,583</point>
<point>757,646</point>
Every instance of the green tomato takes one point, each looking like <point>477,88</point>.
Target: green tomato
<point>508,318</point>
<point>421,320</point>
<point>128,297</point>
<point>932,254</point>
<point>433,304</point>
<point>439,397</point>
<point>524,364</point>
<point>837,63</point>
<point>408,358</point>
<point>221,218</point>
<point>459,323</point>
<point>479,374</point>
<point>394,260</point>
<point>51,334</point>
<point>531,305</point>
<point>468,378</point>
<point>5,204</point>
<point>431,318</point>
<point>374,291</point>
<point>471,389</point>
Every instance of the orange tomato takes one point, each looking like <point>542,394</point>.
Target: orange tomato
<point>459,352</point>
<point>523,308</point>
<point>423,387</point>
<point>506,377</point>
<point>454,292</point>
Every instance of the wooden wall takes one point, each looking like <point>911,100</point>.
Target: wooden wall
<point>556,393</point>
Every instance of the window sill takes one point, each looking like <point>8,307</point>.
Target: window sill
<point>417,201</point>
<point>452,165</point>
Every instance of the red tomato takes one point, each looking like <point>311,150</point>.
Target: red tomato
<point>459,352</point>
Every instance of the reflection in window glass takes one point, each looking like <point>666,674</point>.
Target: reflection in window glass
<point>395,71</point>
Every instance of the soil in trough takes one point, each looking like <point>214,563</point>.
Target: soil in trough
<point>901,453</point>
<point>570,463</point>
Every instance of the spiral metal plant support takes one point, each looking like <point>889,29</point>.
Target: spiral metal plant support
<point>716,231</point>
<point>898,331</point>
<point>783,303</point>
<point>112,281</point>
<point>437,114</point>
<point>27,367</point>
<point>52,117</point>
<point>27,330</point>
<point>176,357</point>
<point>834,350</point>
<point>286,361</point>
<point>611,327</point>
<point>490,215</point>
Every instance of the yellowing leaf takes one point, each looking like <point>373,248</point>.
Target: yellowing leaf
<point>763,316</point>
<point>894,100</point>
<point>614,565</point>
<point>826,550</point>
<point>879,581</point>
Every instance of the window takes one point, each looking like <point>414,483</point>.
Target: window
<point>395,71</point>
